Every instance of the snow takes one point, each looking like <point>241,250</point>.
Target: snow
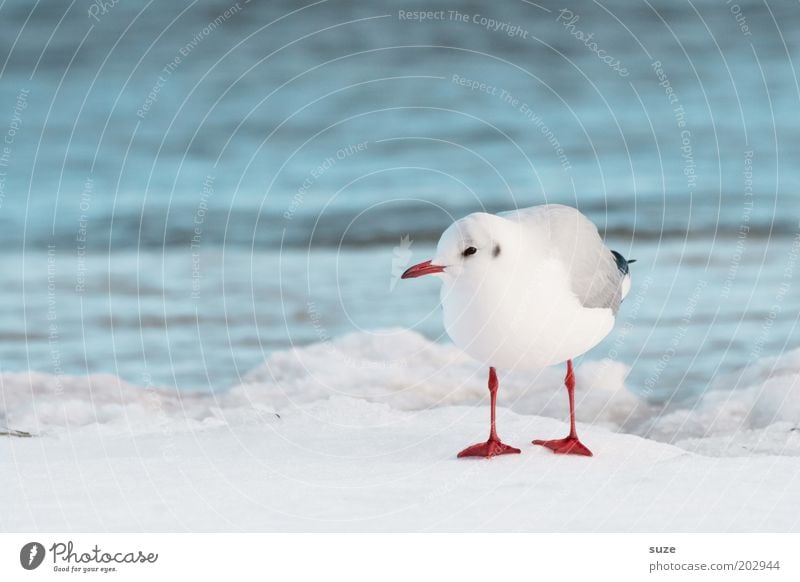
<point>361,433</point>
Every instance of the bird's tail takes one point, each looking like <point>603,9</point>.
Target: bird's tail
<point>623,266</point>
<point>622,262</point>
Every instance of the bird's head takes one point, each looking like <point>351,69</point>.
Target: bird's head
<point>469,247</point>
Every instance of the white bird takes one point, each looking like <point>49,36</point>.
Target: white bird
<point>527,289</point>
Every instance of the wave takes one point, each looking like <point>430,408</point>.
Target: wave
<point>158,229</point>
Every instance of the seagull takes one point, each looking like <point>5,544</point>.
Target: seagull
<point>523,290</point>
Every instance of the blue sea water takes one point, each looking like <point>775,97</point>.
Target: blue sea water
<point>186,187</point>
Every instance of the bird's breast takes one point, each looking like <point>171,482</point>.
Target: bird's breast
<point>529,320</point>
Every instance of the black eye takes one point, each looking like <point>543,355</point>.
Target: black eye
<point>470,251</point>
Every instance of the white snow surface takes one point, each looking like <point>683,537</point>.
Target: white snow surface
<point>361,434</point>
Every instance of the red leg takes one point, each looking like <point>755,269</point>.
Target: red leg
<point>570,445</point>
<point>493,446</point>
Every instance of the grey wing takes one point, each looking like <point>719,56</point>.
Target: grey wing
<point>594,273</point>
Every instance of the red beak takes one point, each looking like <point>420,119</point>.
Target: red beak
<point>425,268</point>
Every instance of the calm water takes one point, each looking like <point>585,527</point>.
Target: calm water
<point>188,186</point>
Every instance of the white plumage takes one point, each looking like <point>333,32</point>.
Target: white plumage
<point>528,288</point>
<point>549,294</point>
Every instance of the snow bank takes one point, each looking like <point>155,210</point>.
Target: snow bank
<point>366,438</point>
<point>755,411</point>
<point>408,372</point>
<point>45,404</point>
<point>346,464</point>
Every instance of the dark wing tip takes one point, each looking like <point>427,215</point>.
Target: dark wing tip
<point>622,264</point>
